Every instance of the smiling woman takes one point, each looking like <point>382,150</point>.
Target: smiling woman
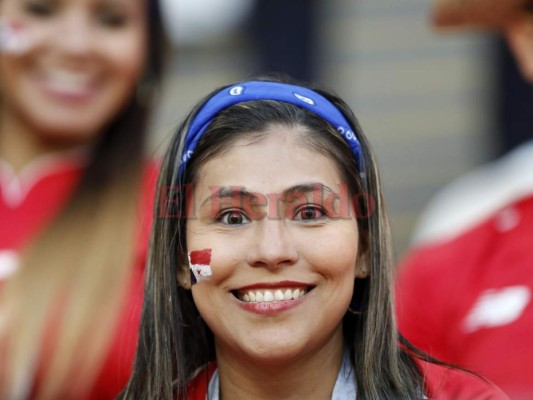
<point>300,252</point>
<point>72,130</point>
<point>82,63</point>
<point>289,295</point>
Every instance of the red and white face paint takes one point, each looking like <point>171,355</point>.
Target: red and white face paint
<point>14,38</point>
<point>200,265</point>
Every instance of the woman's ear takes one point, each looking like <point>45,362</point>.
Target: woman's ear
<point>184,277</point>
<point>362,265</point>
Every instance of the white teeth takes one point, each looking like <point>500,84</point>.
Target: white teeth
<point>68,81</point>
<point>267,296</point>
<point>68,77</point>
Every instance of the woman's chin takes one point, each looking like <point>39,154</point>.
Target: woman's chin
<point>273,352</point>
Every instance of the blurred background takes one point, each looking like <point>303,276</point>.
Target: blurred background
<point>432,105</point>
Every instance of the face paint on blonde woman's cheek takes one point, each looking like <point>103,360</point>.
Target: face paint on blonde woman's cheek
<point>14,38</point>
<point>200,265</point>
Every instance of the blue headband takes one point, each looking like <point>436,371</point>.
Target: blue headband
<point>255,91</point>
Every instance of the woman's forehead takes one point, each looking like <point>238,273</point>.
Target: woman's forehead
<point>277,161</point>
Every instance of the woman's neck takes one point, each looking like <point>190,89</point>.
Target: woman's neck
<point>20,145</point>
<point>312,376</point>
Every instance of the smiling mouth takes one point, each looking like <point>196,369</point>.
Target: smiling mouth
<point>68,83</point>
<point>271,295</point>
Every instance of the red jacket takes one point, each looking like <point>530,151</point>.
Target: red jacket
<point>32,199</point>
<point>469,300</point>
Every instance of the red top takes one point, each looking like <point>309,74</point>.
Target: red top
<point>469,300</point>
<point>31,199</point>
<point>441,383</point>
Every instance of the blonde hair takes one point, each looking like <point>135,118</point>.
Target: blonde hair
<point>73,275</point>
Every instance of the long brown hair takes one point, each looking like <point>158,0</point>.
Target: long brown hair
<point>75,272</point>
<point>174,341</point>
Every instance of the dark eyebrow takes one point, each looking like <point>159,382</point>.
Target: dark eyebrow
<point>230,192</point>
<point>306,188</point>
<point>116,4</point>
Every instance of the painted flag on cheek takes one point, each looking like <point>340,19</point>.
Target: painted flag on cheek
<point>200,265</point>
<point>13,37</point>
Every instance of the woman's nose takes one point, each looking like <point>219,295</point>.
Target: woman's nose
<point>272,246</point>
<point>75,35</point>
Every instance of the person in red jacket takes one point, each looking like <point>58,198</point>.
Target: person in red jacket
<point>74,102</point>
<point>464,291</point>
<point>270,270</point>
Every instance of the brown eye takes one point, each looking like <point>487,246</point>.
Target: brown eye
<point>309,213</point>
<point>233,218</point>
<point>112,19</point>
<point>39,8</point>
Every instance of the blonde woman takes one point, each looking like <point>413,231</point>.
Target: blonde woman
<point>74,103</point>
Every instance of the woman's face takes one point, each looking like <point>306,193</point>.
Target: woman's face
<point>282,268</point>
<point>82,63</point>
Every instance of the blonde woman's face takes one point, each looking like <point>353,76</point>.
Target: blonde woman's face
<point>79,63</point>
<point>281,269</point>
